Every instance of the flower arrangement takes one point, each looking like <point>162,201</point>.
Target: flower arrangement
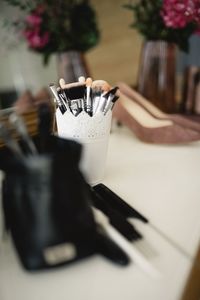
<point>170,20</point>
<point>51,26</point>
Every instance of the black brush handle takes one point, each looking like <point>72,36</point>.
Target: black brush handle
<point>115,218</point>
<point>118,203</point>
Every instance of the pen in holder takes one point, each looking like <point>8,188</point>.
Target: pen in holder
<point>83,114</point>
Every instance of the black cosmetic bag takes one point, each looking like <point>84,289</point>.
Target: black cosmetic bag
<point>47,208</point>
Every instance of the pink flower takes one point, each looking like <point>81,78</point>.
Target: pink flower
<point>36,39</point>
<point>178,13</point>
<point>197,13</point>
<point>33,19</point>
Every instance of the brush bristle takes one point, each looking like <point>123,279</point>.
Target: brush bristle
<point>75,92</point>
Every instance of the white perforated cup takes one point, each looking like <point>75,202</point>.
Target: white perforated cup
<point>93,133</point>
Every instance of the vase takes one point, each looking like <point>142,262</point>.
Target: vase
<point>157,74</point>
<point>71,65</point>
<point>191,82</point>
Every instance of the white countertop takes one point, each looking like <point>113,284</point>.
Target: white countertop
<point>96,278</point>
<point>162,182</point>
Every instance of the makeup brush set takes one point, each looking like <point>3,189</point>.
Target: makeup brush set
<point>84,113</point>
<point>88,96</point>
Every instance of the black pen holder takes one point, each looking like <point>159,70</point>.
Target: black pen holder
<point>46,205</point>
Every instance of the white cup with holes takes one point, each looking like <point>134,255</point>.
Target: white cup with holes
<point>93,133</point>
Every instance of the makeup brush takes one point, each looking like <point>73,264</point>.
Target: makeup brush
<point>59,100</point>
<point>96,92</point>
<point>99,88</point>
<point>103,99</point>
<point>20,128</point>
<point>62,83</point>
<point>65,85</point>
<point>75,94</point>
<point>110,104</point>
<point>100,83</point>
<point>111,99</point>
<point>63,98</point>
<point>74,84</point>
<point>111,93</point>
<point>89,96</point>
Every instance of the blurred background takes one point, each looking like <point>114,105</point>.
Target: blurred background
<point>116,57</point>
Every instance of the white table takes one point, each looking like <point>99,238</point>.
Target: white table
<point>162,183</point>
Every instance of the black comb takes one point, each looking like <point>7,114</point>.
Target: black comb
<point>115,218</point>
<point>117,203</point>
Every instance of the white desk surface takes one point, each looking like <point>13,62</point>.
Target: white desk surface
<point>162,183</point>
<point>96,278</point>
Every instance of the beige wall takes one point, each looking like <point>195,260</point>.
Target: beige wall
<point>117,55</point>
